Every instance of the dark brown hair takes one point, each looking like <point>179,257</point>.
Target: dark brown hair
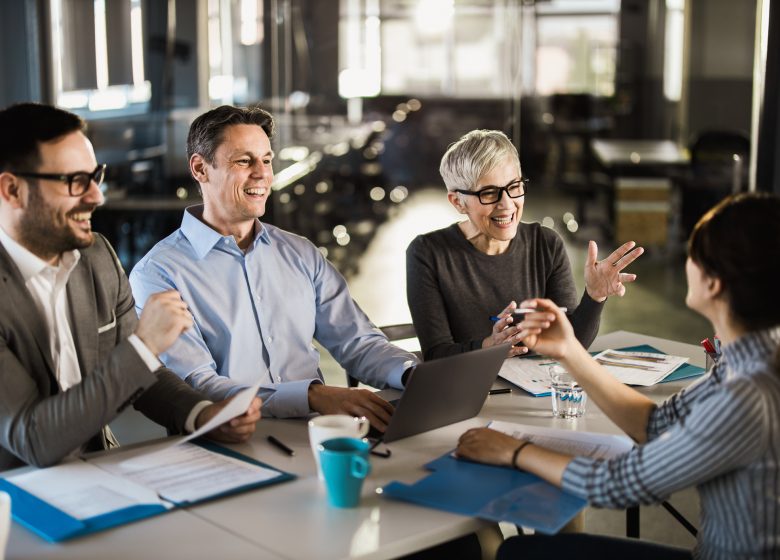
<point>738,242</point>
<point>206,131</point>
<point>24,126</point>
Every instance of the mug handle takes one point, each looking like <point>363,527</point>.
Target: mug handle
<point>359,467</point>
<point>363,425</point>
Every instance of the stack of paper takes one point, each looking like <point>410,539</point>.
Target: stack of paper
<point>635,365</point>
<point>639,368</point>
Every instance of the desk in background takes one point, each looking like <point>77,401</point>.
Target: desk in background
<point>293,520</point>
<point>642,196</point>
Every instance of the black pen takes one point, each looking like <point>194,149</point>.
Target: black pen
<point>279,445</point>
<point>499,391</point>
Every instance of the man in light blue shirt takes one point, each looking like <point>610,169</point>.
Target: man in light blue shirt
<point>260,295</point>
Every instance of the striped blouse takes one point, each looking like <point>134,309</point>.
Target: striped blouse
<point>721,434</point>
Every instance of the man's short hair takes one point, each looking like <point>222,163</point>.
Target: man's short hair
<point>24,126</point>
<point>206,131</point>
<point>476,153</point>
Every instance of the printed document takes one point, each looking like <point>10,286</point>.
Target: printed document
<point>530,374</point>
<point>186,472</point>
<point>639,368</point>
<point>587,444</point>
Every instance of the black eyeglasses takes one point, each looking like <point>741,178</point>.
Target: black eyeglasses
<point>78,182</point>
<point>491,195</point>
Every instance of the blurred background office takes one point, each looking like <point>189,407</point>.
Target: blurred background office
<point>631,117</point>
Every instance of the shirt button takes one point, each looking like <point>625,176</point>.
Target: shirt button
<point>270,339</point>
<point>226,241</point>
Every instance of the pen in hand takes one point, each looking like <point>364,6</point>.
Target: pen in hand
<point>281,446</point>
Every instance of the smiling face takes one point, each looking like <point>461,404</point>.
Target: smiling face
<point>237,184</point>
<point>491,227</point>
<point>52,221</point>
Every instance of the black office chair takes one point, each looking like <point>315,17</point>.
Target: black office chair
<point>401,331</point>
<point>719,167</point>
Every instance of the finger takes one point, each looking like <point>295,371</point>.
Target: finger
<point>501,324</point>
<point>378,401</point>
<point>593,252</point>
<point>630,257</point>
<point>376,408</point>
<point>509,309</point>
<point>625,277</point>
<point>620,252</point>
<point>517,351</point>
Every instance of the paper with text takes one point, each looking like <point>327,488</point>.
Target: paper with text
<point>82,490</point>
<point>639,368</point>
<point>530,374</point>
<point>186,472</point>
<point>570,442</point>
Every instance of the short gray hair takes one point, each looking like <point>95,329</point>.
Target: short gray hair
<point>476,153</point>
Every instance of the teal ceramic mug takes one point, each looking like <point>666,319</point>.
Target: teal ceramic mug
<point>345,465</point>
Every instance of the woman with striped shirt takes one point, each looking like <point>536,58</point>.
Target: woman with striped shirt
<point>720,434</point>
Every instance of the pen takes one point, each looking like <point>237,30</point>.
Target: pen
<point>523,311</point>
<point>279,445</point>
<point>499,391</point>
<point>707,345</point>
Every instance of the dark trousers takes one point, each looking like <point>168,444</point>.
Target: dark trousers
<point>581,545</point>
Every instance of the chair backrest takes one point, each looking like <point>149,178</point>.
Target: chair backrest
<point>713,151</point>
<point>401,331</point>
<point>719,159</point>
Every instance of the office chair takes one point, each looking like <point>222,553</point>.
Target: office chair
<point>719,166</point>
<point>401,331</point>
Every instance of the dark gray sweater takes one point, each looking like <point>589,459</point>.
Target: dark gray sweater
<point>453,288</point>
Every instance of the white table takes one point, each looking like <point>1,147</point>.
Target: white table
<point>293,520</point>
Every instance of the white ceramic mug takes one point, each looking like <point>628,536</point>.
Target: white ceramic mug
<point>331,426</point>
<point>5,521</point>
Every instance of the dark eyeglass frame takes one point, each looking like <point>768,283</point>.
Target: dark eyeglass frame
<point>97,175</point>
<point>498,192</point>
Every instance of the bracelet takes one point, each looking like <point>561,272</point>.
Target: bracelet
<point>517,452</point>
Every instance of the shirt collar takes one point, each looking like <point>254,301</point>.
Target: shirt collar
<point>203,238</point>
<point>29,264</point>
<point>751,348</point>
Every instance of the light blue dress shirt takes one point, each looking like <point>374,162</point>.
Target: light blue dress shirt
<point>257,314</point>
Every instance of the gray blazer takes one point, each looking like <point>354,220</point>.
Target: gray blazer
<point>39,424</point>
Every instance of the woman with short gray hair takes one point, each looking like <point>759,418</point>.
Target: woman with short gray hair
<point>463,281</point>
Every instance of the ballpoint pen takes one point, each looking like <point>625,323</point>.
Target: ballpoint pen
<point>281,446</point>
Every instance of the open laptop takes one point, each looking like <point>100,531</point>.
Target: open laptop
<point>444,391</point>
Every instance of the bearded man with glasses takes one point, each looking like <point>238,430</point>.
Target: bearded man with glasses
<point>463,281</point>
<point>73,352</point>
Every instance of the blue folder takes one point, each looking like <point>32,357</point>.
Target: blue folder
<point>490,492</point>
<point>55,525</point>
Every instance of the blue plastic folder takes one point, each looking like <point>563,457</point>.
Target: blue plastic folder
<point>55,525</point>
<point>489,492</point>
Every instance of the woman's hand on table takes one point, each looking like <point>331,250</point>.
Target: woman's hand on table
<point>606,277</point>
<point>487,446</point>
